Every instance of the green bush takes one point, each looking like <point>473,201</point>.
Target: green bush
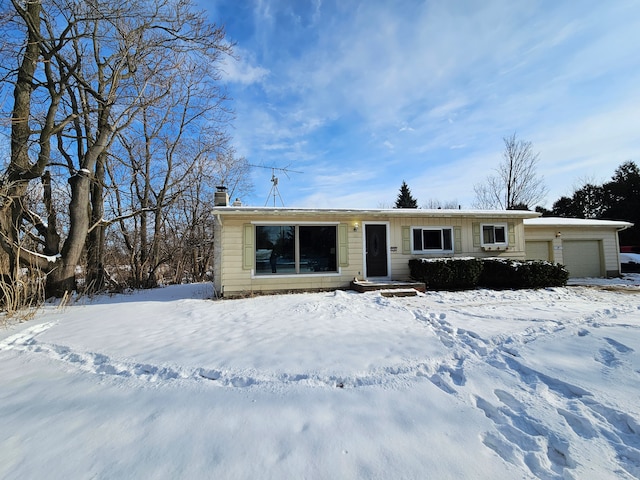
<point>542,274</point>
<point>446,273</point>
<point>507,273</point>
<point>500,273</point>
<point>468,273</point>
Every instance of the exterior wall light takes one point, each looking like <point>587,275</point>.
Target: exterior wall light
<point>558,235</point>
<point>356,227</point>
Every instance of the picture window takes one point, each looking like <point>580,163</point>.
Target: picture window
<point>295,249</point>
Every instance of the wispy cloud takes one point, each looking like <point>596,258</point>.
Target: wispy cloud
<point>426,92</point>
<point>243,69</point>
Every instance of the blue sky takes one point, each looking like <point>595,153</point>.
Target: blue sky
<point>361,95</point>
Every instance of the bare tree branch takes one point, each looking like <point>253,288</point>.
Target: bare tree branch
<point>516,183</point>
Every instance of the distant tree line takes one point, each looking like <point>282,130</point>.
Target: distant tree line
<point>617,199</point>
<point>516,185</point>
<point>406,200</point>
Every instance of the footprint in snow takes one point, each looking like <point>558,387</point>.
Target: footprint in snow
<point>621,348</point>
<point>209,374</point>
<point>523,440</point>
<point>579,423</point>
<point>607,358</point>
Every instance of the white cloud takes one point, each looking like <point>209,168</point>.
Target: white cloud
<point>458,76</point>
<point>241,69</point>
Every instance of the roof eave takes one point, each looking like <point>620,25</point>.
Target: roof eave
<point>392,212</point>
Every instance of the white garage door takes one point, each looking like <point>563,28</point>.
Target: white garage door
<point>537,250</point>
<point>582,258</point>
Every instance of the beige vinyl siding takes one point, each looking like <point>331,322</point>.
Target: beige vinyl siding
<point>217,254</point>
<point>235,266</point>
<point>463,240</point>
<point>237,279</point>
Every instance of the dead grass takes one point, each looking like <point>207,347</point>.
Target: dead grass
<point>21,300</point>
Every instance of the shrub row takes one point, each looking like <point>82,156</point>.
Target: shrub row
<point>468,273</point>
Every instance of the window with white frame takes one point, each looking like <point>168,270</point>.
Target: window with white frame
<point>432,239</point>
<point>295,249</point>
<point>494,234</point>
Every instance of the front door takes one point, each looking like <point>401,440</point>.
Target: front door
<point>376,250</point>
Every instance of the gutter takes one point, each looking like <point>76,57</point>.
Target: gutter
<point>399,212</point>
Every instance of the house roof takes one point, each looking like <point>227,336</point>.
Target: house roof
<point>386,212</point>
<point>575,222</point>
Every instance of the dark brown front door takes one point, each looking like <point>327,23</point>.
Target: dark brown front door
<point>376,253</point>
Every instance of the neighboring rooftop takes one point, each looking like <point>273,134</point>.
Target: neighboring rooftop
<point>574,222</point>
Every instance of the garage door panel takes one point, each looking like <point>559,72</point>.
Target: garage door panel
<point>583,258</point>
<point>538,250</point>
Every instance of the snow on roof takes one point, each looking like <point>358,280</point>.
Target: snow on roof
<point>412,212</point>
<point>574,222</point>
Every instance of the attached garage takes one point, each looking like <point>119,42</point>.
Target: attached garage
<point>588,248</point>
<point>583,258</point>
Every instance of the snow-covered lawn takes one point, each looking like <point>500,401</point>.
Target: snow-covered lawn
<point>447,385</point>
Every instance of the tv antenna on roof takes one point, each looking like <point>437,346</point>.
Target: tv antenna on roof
<point>274,192</point>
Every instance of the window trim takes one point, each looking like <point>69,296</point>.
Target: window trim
<point>297,273</point>
<point>504,226</point>
<point>432,250</point>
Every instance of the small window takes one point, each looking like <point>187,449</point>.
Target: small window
<point>494,235</point>
<point>432,240</point>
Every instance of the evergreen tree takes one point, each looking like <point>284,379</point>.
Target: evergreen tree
<point>589,201</point>
<point>623,201</point>
<point>405,199</point>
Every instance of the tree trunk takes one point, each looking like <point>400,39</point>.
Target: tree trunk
<point>14,186</point>
<point>96,278</point>
<point>63,278</point>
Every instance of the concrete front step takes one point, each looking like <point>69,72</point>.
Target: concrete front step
<point>369,286</point>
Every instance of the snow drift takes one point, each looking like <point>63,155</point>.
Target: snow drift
<point>478,384</point>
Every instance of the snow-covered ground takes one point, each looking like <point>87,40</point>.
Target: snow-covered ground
<point>447,385</point>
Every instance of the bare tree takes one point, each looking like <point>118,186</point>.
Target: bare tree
<point>435,204</point>
<point>516,183</point>
<point>76,85</point>
<point>155,158</point>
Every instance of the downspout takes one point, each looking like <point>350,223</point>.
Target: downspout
<point>217,254</point>
<point>618,230</point>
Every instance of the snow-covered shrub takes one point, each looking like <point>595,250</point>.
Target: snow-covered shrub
<point>499,273</point>
<point>508,273</point>
<point>542,274</point>
<point>468,273</point>
<point>446,273</point>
